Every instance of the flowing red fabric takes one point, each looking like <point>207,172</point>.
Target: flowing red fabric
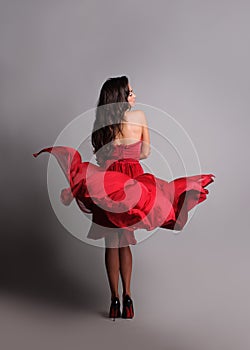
<point>120,195</point>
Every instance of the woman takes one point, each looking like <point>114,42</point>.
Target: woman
<point>121,197</point>
<point>122,127</point>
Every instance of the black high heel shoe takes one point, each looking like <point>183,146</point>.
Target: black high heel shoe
<point>128,309</point>
<point>114,311</point>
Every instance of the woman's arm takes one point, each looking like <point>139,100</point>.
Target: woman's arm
<point>145,149</point>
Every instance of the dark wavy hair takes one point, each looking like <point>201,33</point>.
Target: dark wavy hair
<point>111,106</point>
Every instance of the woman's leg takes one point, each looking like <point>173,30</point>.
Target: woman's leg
<point>112,263</point>
<point>125,257</point>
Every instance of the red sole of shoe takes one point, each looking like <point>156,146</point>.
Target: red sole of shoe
<point>128,312</point>
<point>114,314</point>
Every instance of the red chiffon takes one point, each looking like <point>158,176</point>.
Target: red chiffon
<point>120,195</point>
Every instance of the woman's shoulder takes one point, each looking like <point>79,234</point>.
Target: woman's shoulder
<point>136,115</point>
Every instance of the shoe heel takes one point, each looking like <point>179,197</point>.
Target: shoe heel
<point>114,311</point>
<point>128,312</point>
<point>128,309</point>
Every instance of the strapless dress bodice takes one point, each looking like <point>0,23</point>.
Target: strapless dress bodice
<point>130,151</point>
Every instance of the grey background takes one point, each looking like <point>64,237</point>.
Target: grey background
<point>189,58</point>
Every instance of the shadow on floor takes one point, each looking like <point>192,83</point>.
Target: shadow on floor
<point>30,267</point>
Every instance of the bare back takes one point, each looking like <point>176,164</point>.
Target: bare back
<point>135,128</point>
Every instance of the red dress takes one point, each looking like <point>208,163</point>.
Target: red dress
<point>121,196</point>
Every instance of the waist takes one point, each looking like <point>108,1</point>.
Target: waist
<point>121,160</point>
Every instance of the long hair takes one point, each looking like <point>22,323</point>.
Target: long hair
<point>111,106</point>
